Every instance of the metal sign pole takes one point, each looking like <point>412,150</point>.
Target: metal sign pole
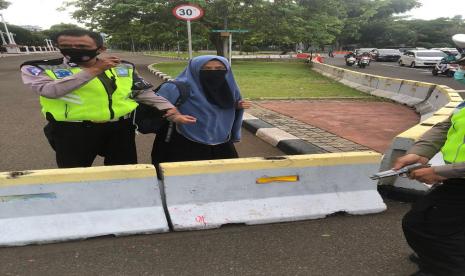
<point>188,12</point>
<point>189,36</point>
<point>230,48</point>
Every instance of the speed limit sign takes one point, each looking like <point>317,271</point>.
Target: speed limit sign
<point>188,12</point>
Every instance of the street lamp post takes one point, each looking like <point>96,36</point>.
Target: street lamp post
<point>48,45</point>
<point>12,35</point>
<point>3,38</point>
<point>10,38</point>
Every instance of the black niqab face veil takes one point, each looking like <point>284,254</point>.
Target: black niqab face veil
<point>216,88</point>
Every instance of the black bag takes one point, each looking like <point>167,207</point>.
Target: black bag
<point>148,119</point>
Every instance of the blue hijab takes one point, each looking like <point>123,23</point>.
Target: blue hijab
<point>215,125</point>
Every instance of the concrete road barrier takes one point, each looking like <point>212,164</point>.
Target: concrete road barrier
<point>434,103</point>
<point>208,194</point>
<point>427,98</point>
<point>387,87</point>
<point>66,204</point>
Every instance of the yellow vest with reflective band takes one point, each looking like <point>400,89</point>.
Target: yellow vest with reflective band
<point>92,101</point>
<point>453,150</point>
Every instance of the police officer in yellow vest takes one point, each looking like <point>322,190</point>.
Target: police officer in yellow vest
<point>88,100</point>
<point>435,226</point>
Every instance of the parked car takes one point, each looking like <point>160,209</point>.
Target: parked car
<point>387,54</point>
<point>405,49</point>
<point>414,58</point>
<point>360,51</point>
<point>448,51</point>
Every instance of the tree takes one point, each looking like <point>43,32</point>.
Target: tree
<point>139,24</point>
<point>363,13</point>
<point>25,37</point>
<point>54,29</point>
<point>4,4</point>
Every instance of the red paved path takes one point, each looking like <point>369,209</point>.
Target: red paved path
<point>372,124</point>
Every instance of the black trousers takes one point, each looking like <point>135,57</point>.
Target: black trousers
<point>180,148</point>
<point>77,144</point>
<point>435,229</point>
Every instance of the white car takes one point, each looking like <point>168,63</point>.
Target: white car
<point>414,58</point>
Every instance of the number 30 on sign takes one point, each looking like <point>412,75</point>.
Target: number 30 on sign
<point>188,12</point>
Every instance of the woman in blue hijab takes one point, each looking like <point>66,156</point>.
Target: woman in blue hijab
<point>216,102</point>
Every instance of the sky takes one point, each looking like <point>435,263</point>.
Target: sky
<point>44,13</point>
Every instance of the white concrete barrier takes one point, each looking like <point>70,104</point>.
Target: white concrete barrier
<point>401,144</point>
<point>387,87</point>
<point>66,204</point>
<point>434,103</point>
<point>208,194</point>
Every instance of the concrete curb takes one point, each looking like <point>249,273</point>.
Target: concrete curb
<point>174,58</point>
<point>287,143</point>
<point>276,137</point>
<point>158,73</point>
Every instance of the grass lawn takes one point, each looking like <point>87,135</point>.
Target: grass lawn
<point>172,54</point>
<point>283,80</point>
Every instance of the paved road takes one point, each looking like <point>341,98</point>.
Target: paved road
<point>22,143</point>
<point>338,245</point>
<point>393,70</point>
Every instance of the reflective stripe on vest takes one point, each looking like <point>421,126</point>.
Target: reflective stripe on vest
<point>453,150</point>
<point>91,101</point>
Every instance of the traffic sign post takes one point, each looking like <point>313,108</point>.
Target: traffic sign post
<point>189,38</point>
<point>228,33</point>
<point>188,12</point>
<point>230,48</point>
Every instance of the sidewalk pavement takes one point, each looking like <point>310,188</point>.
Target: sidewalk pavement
<point>338,125</point>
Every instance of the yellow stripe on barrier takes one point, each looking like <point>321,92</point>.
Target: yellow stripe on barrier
<point>418,83</point>
<point>431,121</point>
<point>54,176</point>
<point>444,111</point>
<point>414,132</point>
<point>455,96</point>
<point>271,179</point>
<point>247,164</point>
<point>453,104</point>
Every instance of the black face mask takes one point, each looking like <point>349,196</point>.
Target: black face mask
<point>79,55</point>
<point>216,88</point>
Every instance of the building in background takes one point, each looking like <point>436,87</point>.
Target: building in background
<point>32,28</point>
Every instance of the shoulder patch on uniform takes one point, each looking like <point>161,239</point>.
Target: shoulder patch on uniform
<point>35,71</point>
<point>122,71</point>
<point>62,73</point>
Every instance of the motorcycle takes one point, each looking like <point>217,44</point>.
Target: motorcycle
<point>363,62</point>
<point>446,69</point>
<point>350,61</point>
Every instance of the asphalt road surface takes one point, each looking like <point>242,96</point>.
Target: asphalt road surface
<point>338,245</point>
<point>393,70</point>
